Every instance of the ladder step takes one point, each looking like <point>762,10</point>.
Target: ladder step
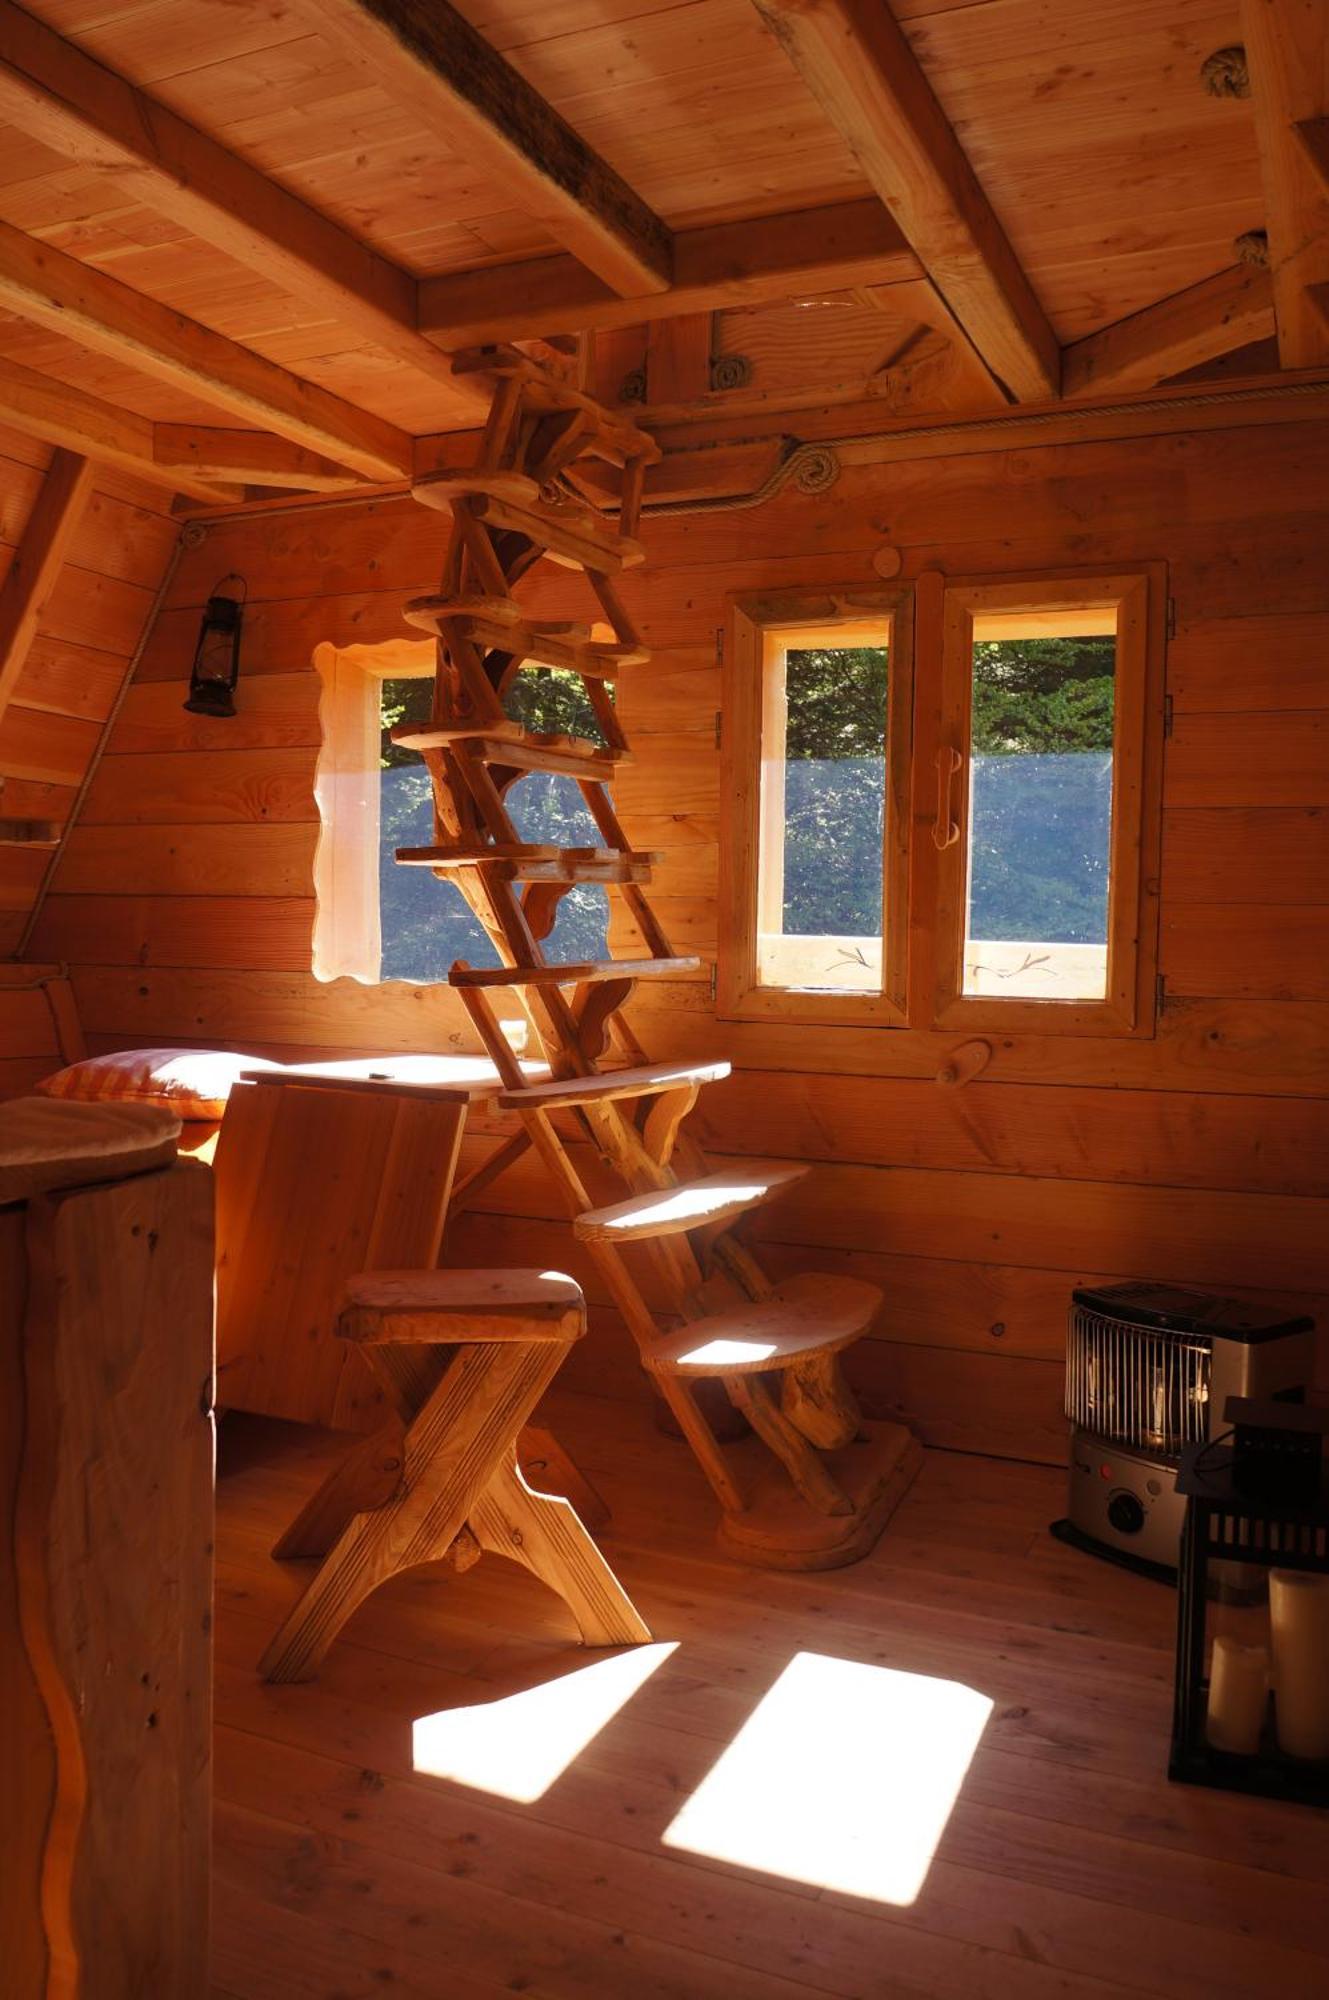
<point>460,482</point>
<point>591,973</point>
<point>486,623</point>
<point>574,536</point>
<point>690,1205</point>
<point>511,745</point>
<point>535,864</point>
<point>815,1313</point>
<point>430,612</point>
<point>616,436</point>
<point>646,1082</point>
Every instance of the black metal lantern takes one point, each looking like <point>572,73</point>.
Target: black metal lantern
<point>216,666</point>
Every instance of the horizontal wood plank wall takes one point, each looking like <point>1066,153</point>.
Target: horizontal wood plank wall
<point>88,632</point>
<point>1201,1155</point>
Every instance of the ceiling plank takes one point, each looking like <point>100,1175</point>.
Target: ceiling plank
<point>856,61</point>
<point>74,421</point>
<point>38,561</point>
<point>59,95</point>
<point>85,305</point>
<point>425,55</point>
<point>256,458</point>
<point>1212,318</point>
<point>1287,50</point>
<point>773,257</point>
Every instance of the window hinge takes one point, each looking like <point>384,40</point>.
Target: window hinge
<point>1172,618</point>
<point>719,728</point>
<point>719,645</point>
<point>1167,715</point>
<point>713,972</point>
<point>1160,996</point>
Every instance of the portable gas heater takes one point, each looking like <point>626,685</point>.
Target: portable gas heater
<point>1149,1369</point>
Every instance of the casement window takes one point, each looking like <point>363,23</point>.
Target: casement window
<point>1042,758</point>
<point>375,919</point>
<point>941,805</point>
<point>817,736</point>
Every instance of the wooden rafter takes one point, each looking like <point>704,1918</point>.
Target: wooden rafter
<point>97,311</point>
<point>59,95</point>
<point>38,561</point>
<point>426,55</point>
<point>213,465</point>
<point>1214,317</point>
<point>1287,48</point>
<point>255,457</point>
<point>774,257</point>
<point>858,64</point>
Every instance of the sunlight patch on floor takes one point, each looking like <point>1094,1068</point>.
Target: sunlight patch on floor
<point>844,1776</point>
<point>517,1745</point>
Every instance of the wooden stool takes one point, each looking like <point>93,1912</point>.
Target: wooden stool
<point>461,1490</point>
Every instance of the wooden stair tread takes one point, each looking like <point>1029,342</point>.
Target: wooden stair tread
<point>544,392</point>
<point>429,611</point>
<point>643,1082</point>
<point>815,1313</point>
<point>574,535</point>
<point>556,864</point>
<point>385,1307</point>
<point>512,736</point>
<point>690,1205</point>
<point>439,489</point>
<point>589,973</point>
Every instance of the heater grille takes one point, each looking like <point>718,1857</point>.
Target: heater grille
<point>1137,1387</point>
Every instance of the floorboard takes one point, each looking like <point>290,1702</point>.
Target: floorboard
<point>1067,1866</point>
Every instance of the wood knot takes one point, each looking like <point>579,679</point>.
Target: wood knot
<point>1252,247</point>
<point>1226,72</point>
<point>730,371</point>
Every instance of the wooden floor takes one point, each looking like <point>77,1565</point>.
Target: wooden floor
<point>1068,1865</point>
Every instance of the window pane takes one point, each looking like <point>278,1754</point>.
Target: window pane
<point>426,924</point>
<point>823,779</point>
<point>1040,810</point>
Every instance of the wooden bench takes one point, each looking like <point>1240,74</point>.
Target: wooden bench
<point>464,1356</point>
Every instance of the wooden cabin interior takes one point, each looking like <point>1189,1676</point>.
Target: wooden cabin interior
<point>664,1019</point>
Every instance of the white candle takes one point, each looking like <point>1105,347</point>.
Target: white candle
<point>1299,1622</point>
<point>1238,1690</point>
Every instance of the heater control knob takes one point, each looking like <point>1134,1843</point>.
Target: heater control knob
<point>1125,1513</point>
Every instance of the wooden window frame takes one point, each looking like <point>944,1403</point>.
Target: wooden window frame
<point>748,726</point>
<point>946,609</point>
<point>348,938</point>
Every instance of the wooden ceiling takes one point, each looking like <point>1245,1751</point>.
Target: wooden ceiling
<point>239,239</point>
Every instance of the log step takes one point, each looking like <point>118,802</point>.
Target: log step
<point>462,482</point>
<point>815,1313</point>
<point>486,625</point>
<point>645,1082</point>
<point>591,972</point>
<point>537,864</point>
<point>691,1205</point>
<point>574,536</point>
<point>564,756</point>
<point>617,437</point>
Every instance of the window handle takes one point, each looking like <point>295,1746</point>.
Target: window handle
<point>946,830</point>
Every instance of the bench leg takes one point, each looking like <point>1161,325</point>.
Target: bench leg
<point>462,1435</point>
<point>546,1534</point>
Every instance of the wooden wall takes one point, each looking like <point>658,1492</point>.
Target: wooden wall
<point>87,635</point>
<point>1201,1155</point>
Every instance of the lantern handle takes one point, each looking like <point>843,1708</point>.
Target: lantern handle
<point>232,576</point>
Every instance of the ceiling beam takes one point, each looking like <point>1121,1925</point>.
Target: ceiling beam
<point>85,305</point>
<point>57,94</point>
<point>38,561</point>
<point>1287,51</point>
<point>856,61</point>
<point>426,56</point>
<point>71,419</point>
<point>771,258</point>
<point>255,458</point>
<point>1212,318</point>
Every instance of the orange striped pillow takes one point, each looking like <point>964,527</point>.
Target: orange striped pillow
<point>193,1083</point>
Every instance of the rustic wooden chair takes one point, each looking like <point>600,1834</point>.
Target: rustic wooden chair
<point>465,1356</point>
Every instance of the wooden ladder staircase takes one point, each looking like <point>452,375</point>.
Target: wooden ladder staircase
<point>813,1484</point>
